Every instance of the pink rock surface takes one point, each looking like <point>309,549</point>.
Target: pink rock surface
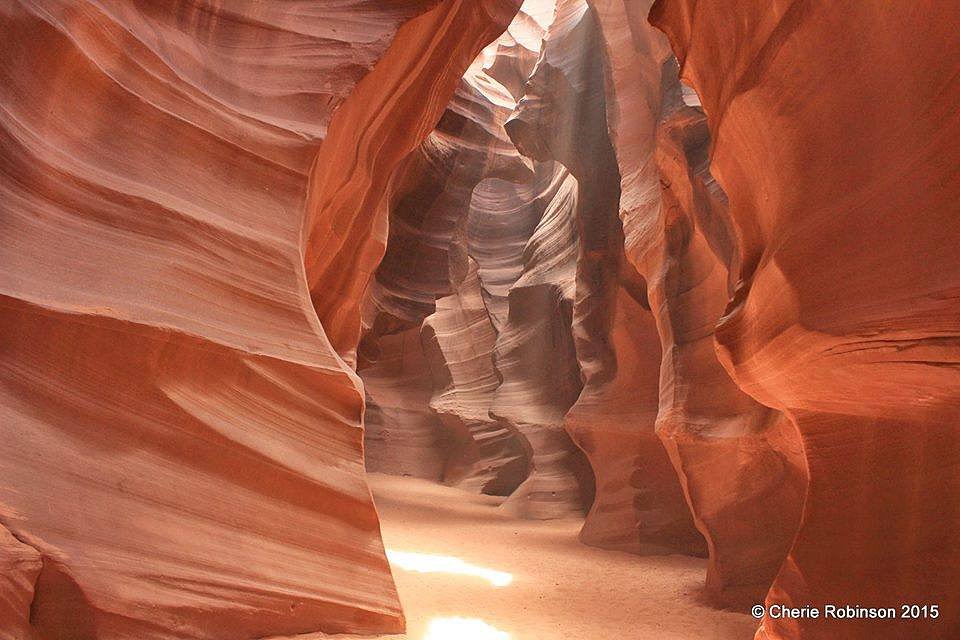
<point>458,340</point>
<point>183,439</point>
<point>464,212</point>
<point>639,504</point>
<point>425,260</point>
<point>403,435</point>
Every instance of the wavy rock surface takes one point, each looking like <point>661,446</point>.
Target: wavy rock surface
<point>437,222</point>
<point>424,260</point>
<point>458,340</point>
<point>737,460</point>
<point>184,443</point>
<point>536,362</point>
<point>639,504</point>
<point>536,353</point>
<point>389,114</point>
<point>20,566</point>
<point>741,462</point>
<point>402,434</point>
<point>845,317</point>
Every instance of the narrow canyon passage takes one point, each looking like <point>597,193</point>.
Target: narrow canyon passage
<point>479,320</point>
<point>521,342</point>
<point>524,579</point>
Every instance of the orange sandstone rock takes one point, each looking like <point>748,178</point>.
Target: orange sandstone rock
<point>182,438</point>
<point>737,460</point>
<point>835,138</point>
<point>19,567</point>
<point>639,504</point>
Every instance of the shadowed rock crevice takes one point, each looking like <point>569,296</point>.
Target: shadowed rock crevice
<point>20,565</point>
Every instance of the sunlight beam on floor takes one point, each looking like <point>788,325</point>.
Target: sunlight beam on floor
<point>463,629</point>
<point>430,563</point>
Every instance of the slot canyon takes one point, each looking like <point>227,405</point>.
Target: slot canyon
<point>480,320</point>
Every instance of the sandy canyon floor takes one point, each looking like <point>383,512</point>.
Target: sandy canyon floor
<point>468,571</point>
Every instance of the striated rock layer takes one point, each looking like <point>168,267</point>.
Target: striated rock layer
<point>740,461</point>
<point>182,438</point>
<point>736,459</point>
<point>425,259</point>
<point>19,567</point>
<point>386,118</point>
<point>402,434</point>
<point>639,504</point>
<point>536,361</point>
<point>458,340</point>
<point>835,137</point>
<point>463,207</point>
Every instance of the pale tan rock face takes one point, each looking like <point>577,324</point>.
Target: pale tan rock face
<point>835,139</point>
<point>182,441</point>
<point>458,341</point>
<point>639,504</point>
<point>427,258</point>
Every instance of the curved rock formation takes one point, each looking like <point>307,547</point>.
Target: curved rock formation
<point>426,259</point>
<point>238,232</point>
<point>402,434</point>
<point>845,315</point>
<point>458,340</point>
<point>639,504</point>
<point>183,439</point>
<point>20,566</point>
<point>537,364</point>
<point>740,470</point>
<point>395,107</point>
<point>740,461</point>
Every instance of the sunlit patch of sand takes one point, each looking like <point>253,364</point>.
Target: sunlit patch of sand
<point>430,563</point>
<point>561,589</point>
<point>463,629</point>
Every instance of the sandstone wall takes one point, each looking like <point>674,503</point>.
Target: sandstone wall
<point>834,136</point>
<point>182,437</point>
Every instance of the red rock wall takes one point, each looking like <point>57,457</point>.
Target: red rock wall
<point>737,460</point>
<point>835,138</point>
<point>183,444</point>
<point>388,115</point>
<point>19,567</point>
